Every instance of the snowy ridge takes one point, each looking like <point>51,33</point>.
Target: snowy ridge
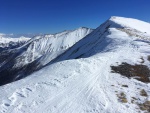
<point>52,45</point>
<point>9,39</point>
<point>37,52</point>
<point>132,23</point>
<point>85,83</point>
<point>99,41</point>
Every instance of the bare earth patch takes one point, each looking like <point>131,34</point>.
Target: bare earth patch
<point>145,106</point>
<point>143,93</point>
<point>148,58</point>
<point>122,97</point>
<point>139,72</point>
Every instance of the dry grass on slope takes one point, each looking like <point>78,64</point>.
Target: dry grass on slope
<point>139,72</point>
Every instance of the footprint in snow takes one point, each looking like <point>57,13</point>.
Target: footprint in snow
<point>4,106</point>
<point>22,93</point>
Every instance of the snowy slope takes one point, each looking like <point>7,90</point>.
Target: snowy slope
<point>37,52</point>
<point>99,42</point>
<point>86,85</point>
<point>132,23</point>
<point>53,45</point>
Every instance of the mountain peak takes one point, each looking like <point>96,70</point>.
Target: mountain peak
<point>131,23</point>
<point>84,28</point>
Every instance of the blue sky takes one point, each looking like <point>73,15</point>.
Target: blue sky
<point>51,16</point>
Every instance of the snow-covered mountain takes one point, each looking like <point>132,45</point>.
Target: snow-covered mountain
<point>36,53</point>
<point>107,71</point>
<point>8,41</point>
<point>99,41</point>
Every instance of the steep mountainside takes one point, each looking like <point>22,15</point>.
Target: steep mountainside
<point>37,52</point>
<point>105,72</point>
<point>100,42</point>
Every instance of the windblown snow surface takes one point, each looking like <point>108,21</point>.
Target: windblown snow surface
<point>84,83</point>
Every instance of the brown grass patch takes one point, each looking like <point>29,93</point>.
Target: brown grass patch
<point>143,93</point>
<point>139,72</point>
<point>122,97</point>
<point>145,106</point>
